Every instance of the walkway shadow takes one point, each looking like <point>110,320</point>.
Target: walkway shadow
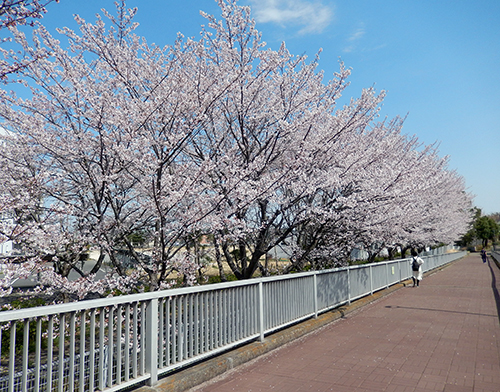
<point>494,285</point>
<point>438,310</point>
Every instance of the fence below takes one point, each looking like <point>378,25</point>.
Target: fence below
<point>114,343</point>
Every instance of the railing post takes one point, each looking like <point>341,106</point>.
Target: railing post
<point>387,275</point>
<point>261,311</point>
<point>152,341</point>
<point>348,286</point>
<point>315,293</point>
<point>12,355</point>
<point>371,280</point>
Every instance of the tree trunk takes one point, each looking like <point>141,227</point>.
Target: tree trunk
<point>222,274</point>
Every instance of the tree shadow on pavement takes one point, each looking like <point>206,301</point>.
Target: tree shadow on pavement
<point>438,310</point>
<point>494,271</point>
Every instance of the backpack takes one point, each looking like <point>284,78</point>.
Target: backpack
<point>415,266</point>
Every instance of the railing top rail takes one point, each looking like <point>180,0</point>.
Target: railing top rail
<point>114,301</point>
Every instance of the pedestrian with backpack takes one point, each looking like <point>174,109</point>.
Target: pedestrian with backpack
<point>483,255</point>
<point>417,270</point>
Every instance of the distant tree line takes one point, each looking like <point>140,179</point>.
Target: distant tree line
<point>483,228</point>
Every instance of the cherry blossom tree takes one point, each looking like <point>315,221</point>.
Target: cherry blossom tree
<point>218,138</point>
<point>104,132</point>
<point>15,13</point>
<point>265,138</point>
<point>421,202</point>
<point>20,12</point>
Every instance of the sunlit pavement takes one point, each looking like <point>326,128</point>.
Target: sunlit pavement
<point>441,336</point>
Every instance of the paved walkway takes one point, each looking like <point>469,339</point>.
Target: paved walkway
<point>441,336</point>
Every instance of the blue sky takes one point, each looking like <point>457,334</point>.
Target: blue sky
<point>439,61</point>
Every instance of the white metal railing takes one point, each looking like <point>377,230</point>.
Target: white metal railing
<point>114,343</point>
<point>496,255</point>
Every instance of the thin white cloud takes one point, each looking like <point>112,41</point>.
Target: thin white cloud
<point>357,35</point>
<point>353,39</point>
<point>311,16</point>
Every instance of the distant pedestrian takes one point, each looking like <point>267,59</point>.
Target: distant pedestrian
<point>416,267</point>
<point>483,255</point>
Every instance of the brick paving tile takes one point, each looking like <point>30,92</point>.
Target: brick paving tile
<point>441,336</point>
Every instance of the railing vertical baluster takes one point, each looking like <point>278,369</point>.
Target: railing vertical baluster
<point>127,342</point>
<point>217,318</point>
<point>62,327</point>
<point>151,332</point>
<point>255,308</point>
<point>223,317</point>
<point>298,302</point>
<point>240,314</point>
<point>180,328</point>
<point>243,312</point>
<point>204,323</point>
<point>261,311</point>
<point>251,309</point>
<point>213,308</point>
<point>26,334</point>
<point>196,323</point>
<point>173,329</point>
<point>119,321</point>
<point>185,328</point>
<point>230,314</point>
<point>161,333</point>
<point>371,279</point>
<point>283,309</point>
<point>289,292</point>
<point>38,353</point>
<point>279,300</point>
<point>92,350</point>
<point>142,356</point>
<point>71,378</point>
<point>348,286</point>
<point>251,312</point>
<point>50,351</point>
<point>210,321</point>
<point>81,380</point>
<point>400,271</point>
<point>168,331</point>
<point>256,300</point>
<point>234,310</point>
<point>206,343</point>
<point>111,344</point>
<point>135,341</point>
<point>315,294</point>
<point>12,355</point>
<point>101,347</point>
<point>192,328</point>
